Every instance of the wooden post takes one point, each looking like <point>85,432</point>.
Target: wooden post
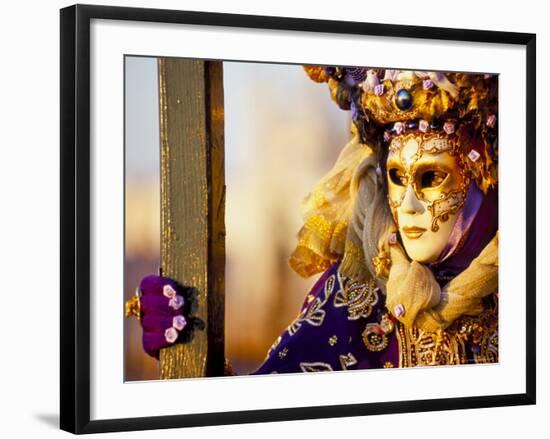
<point>193,205</point>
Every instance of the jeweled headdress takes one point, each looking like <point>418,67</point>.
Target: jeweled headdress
<point>385,104</point>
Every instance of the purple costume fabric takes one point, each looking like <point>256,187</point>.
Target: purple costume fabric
<point>475,227</point>
<point>325,343</point>
<point>464,221</point>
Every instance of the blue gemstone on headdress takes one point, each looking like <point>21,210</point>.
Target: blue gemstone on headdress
<point>403,99</point>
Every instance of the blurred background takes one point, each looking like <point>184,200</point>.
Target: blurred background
<point>282,134</point>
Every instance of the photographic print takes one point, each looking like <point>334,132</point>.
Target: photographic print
<point>258,213</point>
<point>360,224</point>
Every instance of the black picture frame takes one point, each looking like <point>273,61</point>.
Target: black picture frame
<point>75,217</point>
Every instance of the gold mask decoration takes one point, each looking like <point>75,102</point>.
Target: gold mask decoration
<point>427,186</point>
<point>415,102</point>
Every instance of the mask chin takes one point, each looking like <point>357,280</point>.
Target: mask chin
<point>423,256</point>
<point>420,241</point>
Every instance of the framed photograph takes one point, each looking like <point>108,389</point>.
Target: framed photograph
<point>272,218</point>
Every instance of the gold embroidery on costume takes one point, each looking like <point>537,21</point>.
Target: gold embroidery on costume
<point>388,365</point>
<point>317,366</point>
<point>431,349</point>
<point>483,332</point>
<point>347,361</point>
<point>374,338</point>
<point>333,340</point>
<point>314,314</point>
<point>358,297</point>
<point>449,346</point>
<point>375,335</point>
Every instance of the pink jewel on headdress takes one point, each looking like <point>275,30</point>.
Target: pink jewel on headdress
<point>399,310</point>
<point>423,126</point>
<point>398,127</point>
<point>171,335</point>
<point>179,322</point>
<point>392,238</point>
<point>176,302</point>
<point>379,89</point>
<point>491,121</point>
<point>473,155</point>
<point>427,84</point>
<point>168,291</point>
<point>449,127</point>
<point>387,136</point>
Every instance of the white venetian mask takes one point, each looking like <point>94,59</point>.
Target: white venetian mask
<point>427,185</point>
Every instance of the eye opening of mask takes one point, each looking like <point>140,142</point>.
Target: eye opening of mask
<point>432,178</point>
<point>397,176</point>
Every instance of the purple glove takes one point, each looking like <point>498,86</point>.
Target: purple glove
<point>164,313</point>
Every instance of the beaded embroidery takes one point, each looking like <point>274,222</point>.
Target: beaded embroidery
<point>358,297</point>
<point>448,347</point>
<point>317,366</point>
<point>314,314</point>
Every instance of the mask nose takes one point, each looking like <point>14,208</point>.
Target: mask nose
<point>411,205</point>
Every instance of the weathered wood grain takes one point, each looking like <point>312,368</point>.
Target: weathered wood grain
<point>193,205</point>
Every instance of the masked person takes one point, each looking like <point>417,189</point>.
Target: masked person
<point>404,229</point>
